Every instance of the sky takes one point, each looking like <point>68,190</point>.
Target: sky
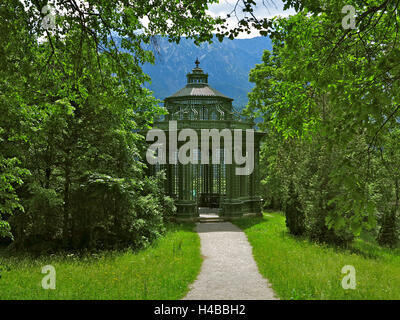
<point>263,9</point>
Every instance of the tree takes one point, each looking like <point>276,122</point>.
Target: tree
<point>72,111</point>
<point>337,105</point>
<point>387,183</point>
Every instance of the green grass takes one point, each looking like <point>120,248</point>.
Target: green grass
<point>162,271</point>
<point>300,269</point>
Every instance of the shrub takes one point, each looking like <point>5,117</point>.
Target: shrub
<point>113,212</point>
<point>294,215</point>
<point>388,234</point>
<point>104,212</point>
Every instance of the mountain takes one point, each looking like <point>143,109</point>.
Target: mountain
<point>227,63</point>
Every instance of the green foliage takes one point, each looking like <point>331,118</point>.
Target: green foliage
<point>387,188</point>
<point>10,176</point>
<point>329,106</point>
<point>108,211</point>
<point>293,212</point>
<point>72,115</point>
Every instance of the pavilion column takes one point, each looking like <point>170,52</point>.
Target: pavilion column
<point>231,203</point>
<point>256,178</point>
<point>251,185</point>
<point>180,181</point>
<point>169,177</point>
<point>230,183</point>
<point>256,168</point>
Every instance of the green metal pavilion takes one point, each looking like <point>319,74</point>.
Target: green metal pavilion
<point>195,185</point>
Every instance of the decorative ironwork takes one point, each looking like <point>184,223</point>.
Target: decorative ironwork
<point>199,106</point>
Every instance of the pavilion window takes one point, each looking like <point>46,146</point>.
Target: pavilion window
<point>205,113</point>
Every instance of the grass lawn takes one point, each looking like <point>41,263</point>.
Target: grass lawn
<point>299,269</point>
<point>162,271</point>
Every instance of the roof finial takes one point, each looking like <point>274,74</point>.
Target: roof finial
<point>197,62</point>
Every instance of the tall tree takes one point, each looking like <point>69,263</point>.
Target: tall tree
<point>337,98</point>
<point>72,107</point>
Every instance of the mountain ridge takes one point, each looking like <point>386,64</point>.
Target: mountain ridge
<point>227,63</point>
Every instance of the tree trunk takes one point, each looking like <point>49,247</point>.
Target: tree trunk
<point>67,183</point>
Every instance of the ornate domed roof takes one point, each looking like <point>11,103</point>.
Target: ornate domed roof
<point>197,86</point>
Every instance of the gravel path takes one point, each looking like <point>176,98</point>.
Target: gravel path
<point>229,271</point>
